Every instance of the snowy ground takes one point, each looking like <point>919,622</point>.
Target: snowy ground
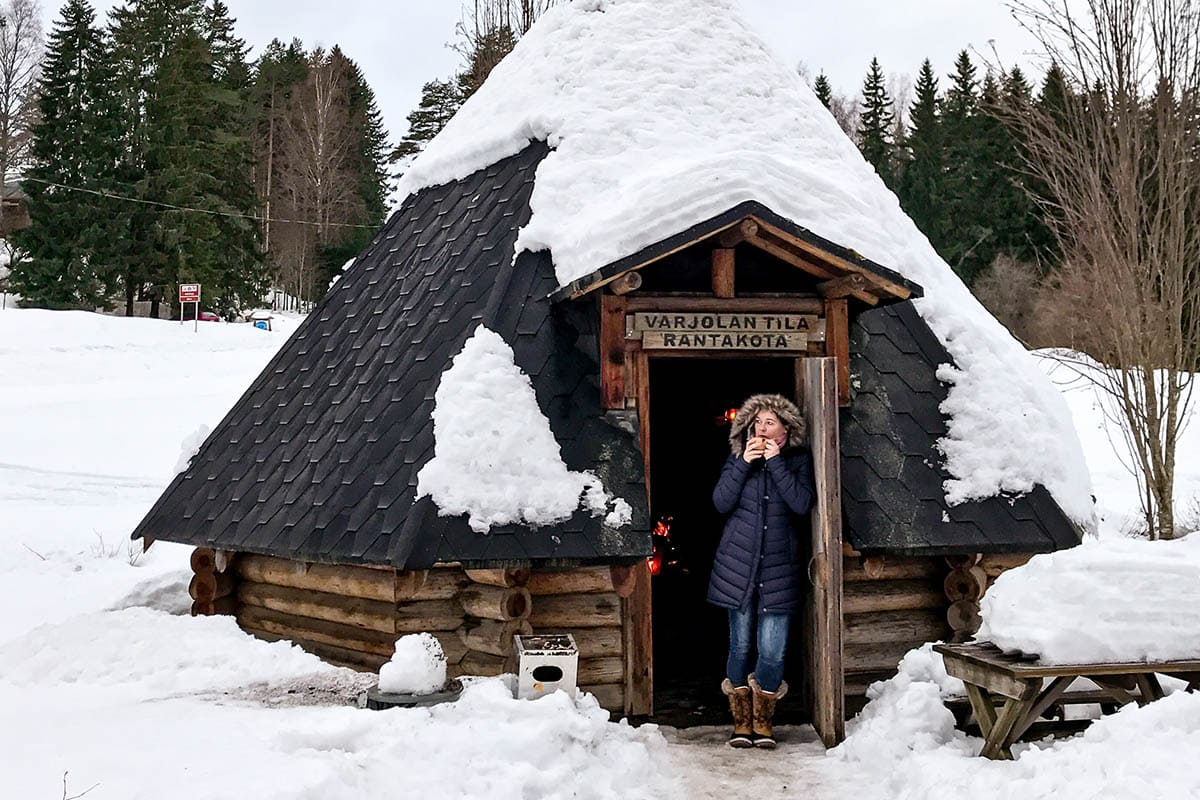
<point>104,678</point>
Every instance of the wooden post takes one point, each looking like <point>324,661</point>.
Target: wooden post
<point>641,379</point>
<point>837,344</point>
<point>612,351</point>
<point>723,273</point>
<point>639,644</point>
<point>821,411</point>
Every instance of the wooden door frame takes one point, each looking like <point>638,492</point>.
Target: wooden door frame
<point>822,386</point>
<point>824,601</point>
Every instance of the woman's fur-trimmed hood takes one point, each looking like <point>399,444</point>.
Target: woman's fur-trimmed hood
<point>783,408</point>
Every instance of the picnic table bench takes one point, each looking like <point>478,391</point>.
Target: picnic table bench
<point>1025,688</point>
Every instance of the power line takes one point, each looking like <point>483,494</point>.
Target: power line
<point>173,207</point>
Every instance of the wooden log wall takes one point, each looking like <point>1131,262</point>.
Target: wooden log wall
<point>889,606</point>
<point>495,607</point>
<point>352,615</point>
<point>970,576</point>
<point>587,603</point>
<point>894,604</point>
<point>212,584</point>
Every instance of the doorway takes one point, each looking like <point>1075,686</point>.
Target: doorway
<point>690,404</point>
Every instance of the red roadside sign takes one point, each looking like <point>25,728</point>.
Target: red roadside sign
<point>189,293</point>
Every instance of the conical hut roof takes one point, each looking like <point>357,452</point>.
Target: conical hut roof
<point>614,126</point>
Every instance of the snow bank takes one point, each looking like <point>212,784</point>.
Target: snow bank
<point>92,411</point>
<point>186,691</point>
<point>665,113</point>
<point>417,667</point>
<point>904,745</point>
<point>1118,600</point>
<point>906,714</point>
<point>1137,752</point>
<point>495,457</point>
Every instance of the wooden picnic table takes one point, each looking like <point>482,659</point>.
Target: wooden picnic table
<point>1029,688</point>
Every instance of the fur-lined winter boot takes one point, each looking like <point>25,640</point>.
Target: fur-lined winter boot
<point>764,712</point>
<point>741,706</point>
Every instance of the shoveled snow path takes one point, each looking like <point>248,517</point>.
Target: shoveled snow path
<point>797,768</point>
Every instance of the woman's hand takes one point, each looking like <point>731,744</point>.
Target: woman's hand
<point>755,448</point>
<point>770,449</point>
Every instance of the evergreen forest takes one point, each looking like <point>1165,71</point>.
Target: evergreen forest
<point>159,153</point>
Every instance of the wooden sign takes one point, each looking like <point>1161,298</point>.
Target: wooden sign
<point>712,331</point>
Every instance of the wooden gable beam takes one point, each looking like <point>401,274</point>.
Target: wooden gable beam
<point>743,231</point>
<point>844,286</point>
<point>842,265</point>
<point>784,250</point>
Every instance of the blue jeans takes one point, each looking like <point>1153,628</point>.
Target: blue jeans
<point>771,632</point>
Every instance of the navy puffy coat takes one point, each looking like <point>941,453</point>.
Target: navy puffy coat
<point>760,549</point>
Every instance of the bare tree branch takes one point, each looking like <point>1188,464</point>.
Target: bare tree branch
<point>1120,164</point>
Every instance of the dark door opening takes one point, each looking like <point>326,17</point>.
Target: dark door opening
<point>689,427</point>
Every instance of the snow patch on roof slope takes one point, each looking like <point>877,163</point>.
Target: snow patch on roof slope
<point>495,457</point>
<point>666,113</point>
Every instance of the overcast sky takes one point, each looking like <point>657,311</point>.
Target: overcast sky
<point>401,44</point>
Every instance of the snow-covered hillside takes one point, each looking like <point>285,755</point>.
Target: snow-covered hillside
<point>103,676</point>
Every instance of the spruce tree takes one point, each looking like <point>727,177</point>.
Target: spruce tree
<point>921,188</point>
<point>1055,94</point>
<point>959,118</point>
<point>185,85</point>
<point>242,277</point>
<point>73,245</point>
<point>823,90</point>
<point>875,124</point>
<point>1027,237</point>
<point>990,160</point>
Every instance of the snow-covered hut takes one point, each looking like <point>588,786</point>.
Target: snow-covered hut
<point>512,406</point>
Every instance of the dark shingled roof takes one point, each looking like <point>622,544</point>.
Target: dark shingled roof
<point>318,461</point>
<point>892,471</point>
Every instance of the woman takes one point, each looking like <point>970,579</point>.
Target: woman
<point>765,486</point>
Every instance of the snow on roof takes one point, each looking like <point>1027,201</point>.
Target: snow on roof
<point>495,457</point>
<point>665,113</point>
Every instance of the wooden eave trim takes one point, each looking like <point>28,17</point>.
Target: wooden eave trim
<point>874,280</point>
<point>578,288</point>
<point>772,239</point>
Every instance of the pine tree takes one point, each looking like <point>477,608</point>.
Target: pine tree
<point>921,189</point>
<point>823,91</point>
<point>72,247</point>
<point>875,124</point>
<point>991,157</point>
<point>440,101</point>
